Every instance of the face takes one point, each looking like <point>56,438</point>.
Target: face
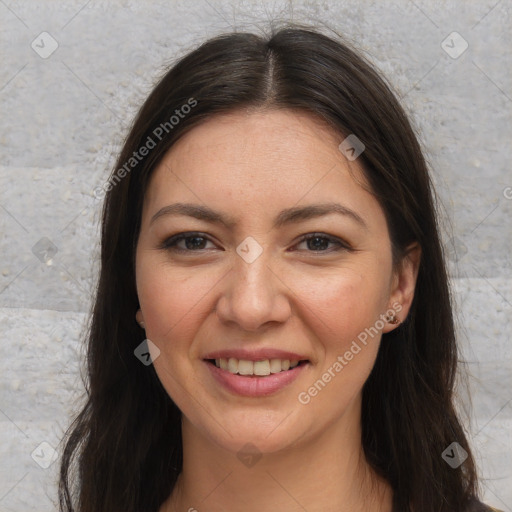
<point>246,287</point>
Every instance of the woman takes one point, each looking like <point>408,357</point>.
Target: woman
<point>273,325</point>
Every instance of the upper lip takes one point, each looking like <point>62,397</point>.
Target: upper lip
<point>255,355</point>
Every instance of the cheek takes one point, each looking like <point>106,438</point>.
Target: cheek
<point>346,311</point>
<point>342,303</point>
<point>172,298</point>
<point>344,315</point>
<point>174,302</point>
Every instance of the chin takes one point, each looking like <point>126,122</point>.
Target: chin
<point>235,434</point>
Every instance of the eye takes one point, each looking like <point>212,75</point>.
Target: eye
<point>320,241</point>
<point>194,242</point>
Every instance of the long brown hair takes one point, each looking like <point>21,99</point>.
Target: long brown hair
<point>123,452</point>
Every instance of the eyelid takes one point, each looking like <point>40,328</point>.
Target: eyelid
<point>342,244</point>
<point>169,243</point>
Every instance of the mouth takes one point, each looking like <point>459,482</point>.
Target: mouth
<point>255,379</point>
<point>256,369</point>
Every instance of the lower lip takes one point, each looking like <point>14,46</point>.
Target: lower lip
<point>255,386</point>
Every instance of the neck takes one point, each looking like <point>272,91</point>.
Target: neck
<point>328,473</point>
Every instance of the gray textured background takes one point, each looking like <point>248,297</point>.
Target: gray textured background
<point>62,121</point>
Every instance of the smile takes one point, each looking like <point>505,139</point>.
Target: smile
<point>256,368</point>
<point>255,378</point>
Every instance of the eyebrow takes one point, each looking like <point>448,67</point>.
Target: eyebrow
<point>285,217</point>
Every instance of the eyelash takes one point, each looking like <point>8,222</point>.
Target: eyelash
<point>170,243</point>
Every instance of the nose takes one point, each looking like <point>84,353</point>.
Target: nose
<point>254,295</point>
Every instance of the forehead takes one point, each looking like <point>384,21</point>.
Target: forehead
<point>258,160</point>
<point>250,140</point>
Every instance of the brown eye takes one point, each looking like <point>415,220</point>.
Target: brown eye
<point>193,242</point>
<point>319,242</point>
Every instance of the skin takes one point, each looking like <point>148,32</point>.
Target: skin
<point>299,296</point>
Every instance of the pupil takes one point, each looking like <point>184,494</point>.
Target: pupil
<point>195,238</point>
<point>323,241</point>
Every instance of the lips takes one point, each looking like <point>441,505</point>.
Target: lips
<point>252,386</point>
<point>251,382</point>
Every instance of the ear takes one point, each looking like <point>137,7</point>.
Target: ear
<point>139,318</point>
<point>403,285</point>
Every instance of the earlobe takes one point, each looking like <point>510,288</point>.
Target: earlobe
<point>140,319</point>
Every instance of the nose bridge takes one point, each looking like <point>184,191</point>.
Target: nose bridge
<point>254,295</point>
<point>254,277</point>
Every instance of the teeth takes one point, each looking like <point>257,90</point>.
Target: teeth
<point>261,368</point>
<point>275,365</point>
<point>245,367</point>
<point>233,365</point>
